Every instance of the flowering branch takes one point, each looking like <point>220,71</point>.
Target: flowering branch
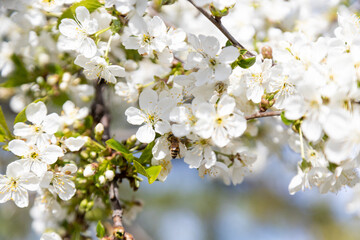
<point>263,114</point>
<point>217,22</point>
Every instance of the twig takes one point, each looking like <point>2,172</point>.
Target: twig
<point>101,114</point>
<point>263,114</point>
<point>220,26</point>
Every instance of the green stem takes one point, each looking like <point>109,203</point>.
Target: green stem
<point>101,31</point>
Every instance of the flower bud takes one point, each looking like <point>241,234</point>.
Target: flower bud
<point>99,129</point>
<point>102,179</point>
<point>90,170</point>
<point>109,174</point>
<point>66,77</point>
<point>266,52</point>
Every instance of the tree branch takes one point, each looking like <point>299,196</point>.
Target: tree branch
<point>263,114</point>
<point>220,26</point>
<point>101,114</point>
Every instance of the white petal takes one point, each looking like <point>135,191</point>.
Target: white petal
<point>51,123</point>
<point>51,154</point>
<point>21,198</point>
<point>194,157</point>
<point>210,45</point>
<point>134,116</point>
<point>81,61</point>
<point>312,129</point>
<point>209,157</point>
<point>225,105</point>
<point>69,168</point>
<point>23,130</point>
<point>229,54</point>
<point>145,134</point>
<point>88,48</point>
<point>222,72</point>
<point>74,144</point>
<point>46,179</point>
<point>337,151</point>
<point>68,27</point>
<point>117,70</point>
<point>220,137</point>
<point>296,184</point>
<point>29,181</point>
<point>162,127</point>
<point>82,14</point>
<point>68,107</point>
<point>36,112</point>
<point>148,99</point>
<point>14,169</point>
<point>18,147</point>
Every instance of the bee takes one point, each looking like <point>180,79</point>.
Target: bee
<point>174,146</point>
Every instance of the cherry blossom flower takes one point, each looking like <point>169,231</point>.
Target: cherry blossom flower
<point>35,159</point>
<point>78,30</point>
<point>221,124</point>
<point>44,126</point>
<point>15,183</point>
<point>212,65</point>
<point>153,112</point>
<point>60,182</point>
<point>98,68</point>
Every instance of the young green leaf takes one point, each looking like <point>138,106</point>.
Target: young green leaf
<point>140,169</point>
<point>146,155</point>
<point>3,123</point>
<point>285,120</point>
<point>117,146</point>
<point>100,230</point>
<point>153,172</point>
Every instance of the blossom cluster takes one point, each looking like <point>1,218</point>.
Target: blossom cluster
<point>192,95</point>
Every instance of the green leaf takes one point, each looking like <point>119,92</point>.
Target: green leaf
<point>100,230</point>
<point>153,172</point>
<point>117,146</point>
<point>246,62</point>
<point>91,5</point>
<point>21,117</point>
<point>3,123</point>
<point>285,120</point>
<point>146,155</point>
<point>19,76</point>
<point>139,168</point>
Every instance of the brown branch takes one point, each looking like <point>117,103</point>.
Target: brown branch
<point>263,114</point>
<point>101,114</point>
<point>221,27</point>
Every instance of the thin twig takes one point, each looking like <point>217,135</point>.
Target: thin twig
<point>220,26</point>
<point>263,114</point>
